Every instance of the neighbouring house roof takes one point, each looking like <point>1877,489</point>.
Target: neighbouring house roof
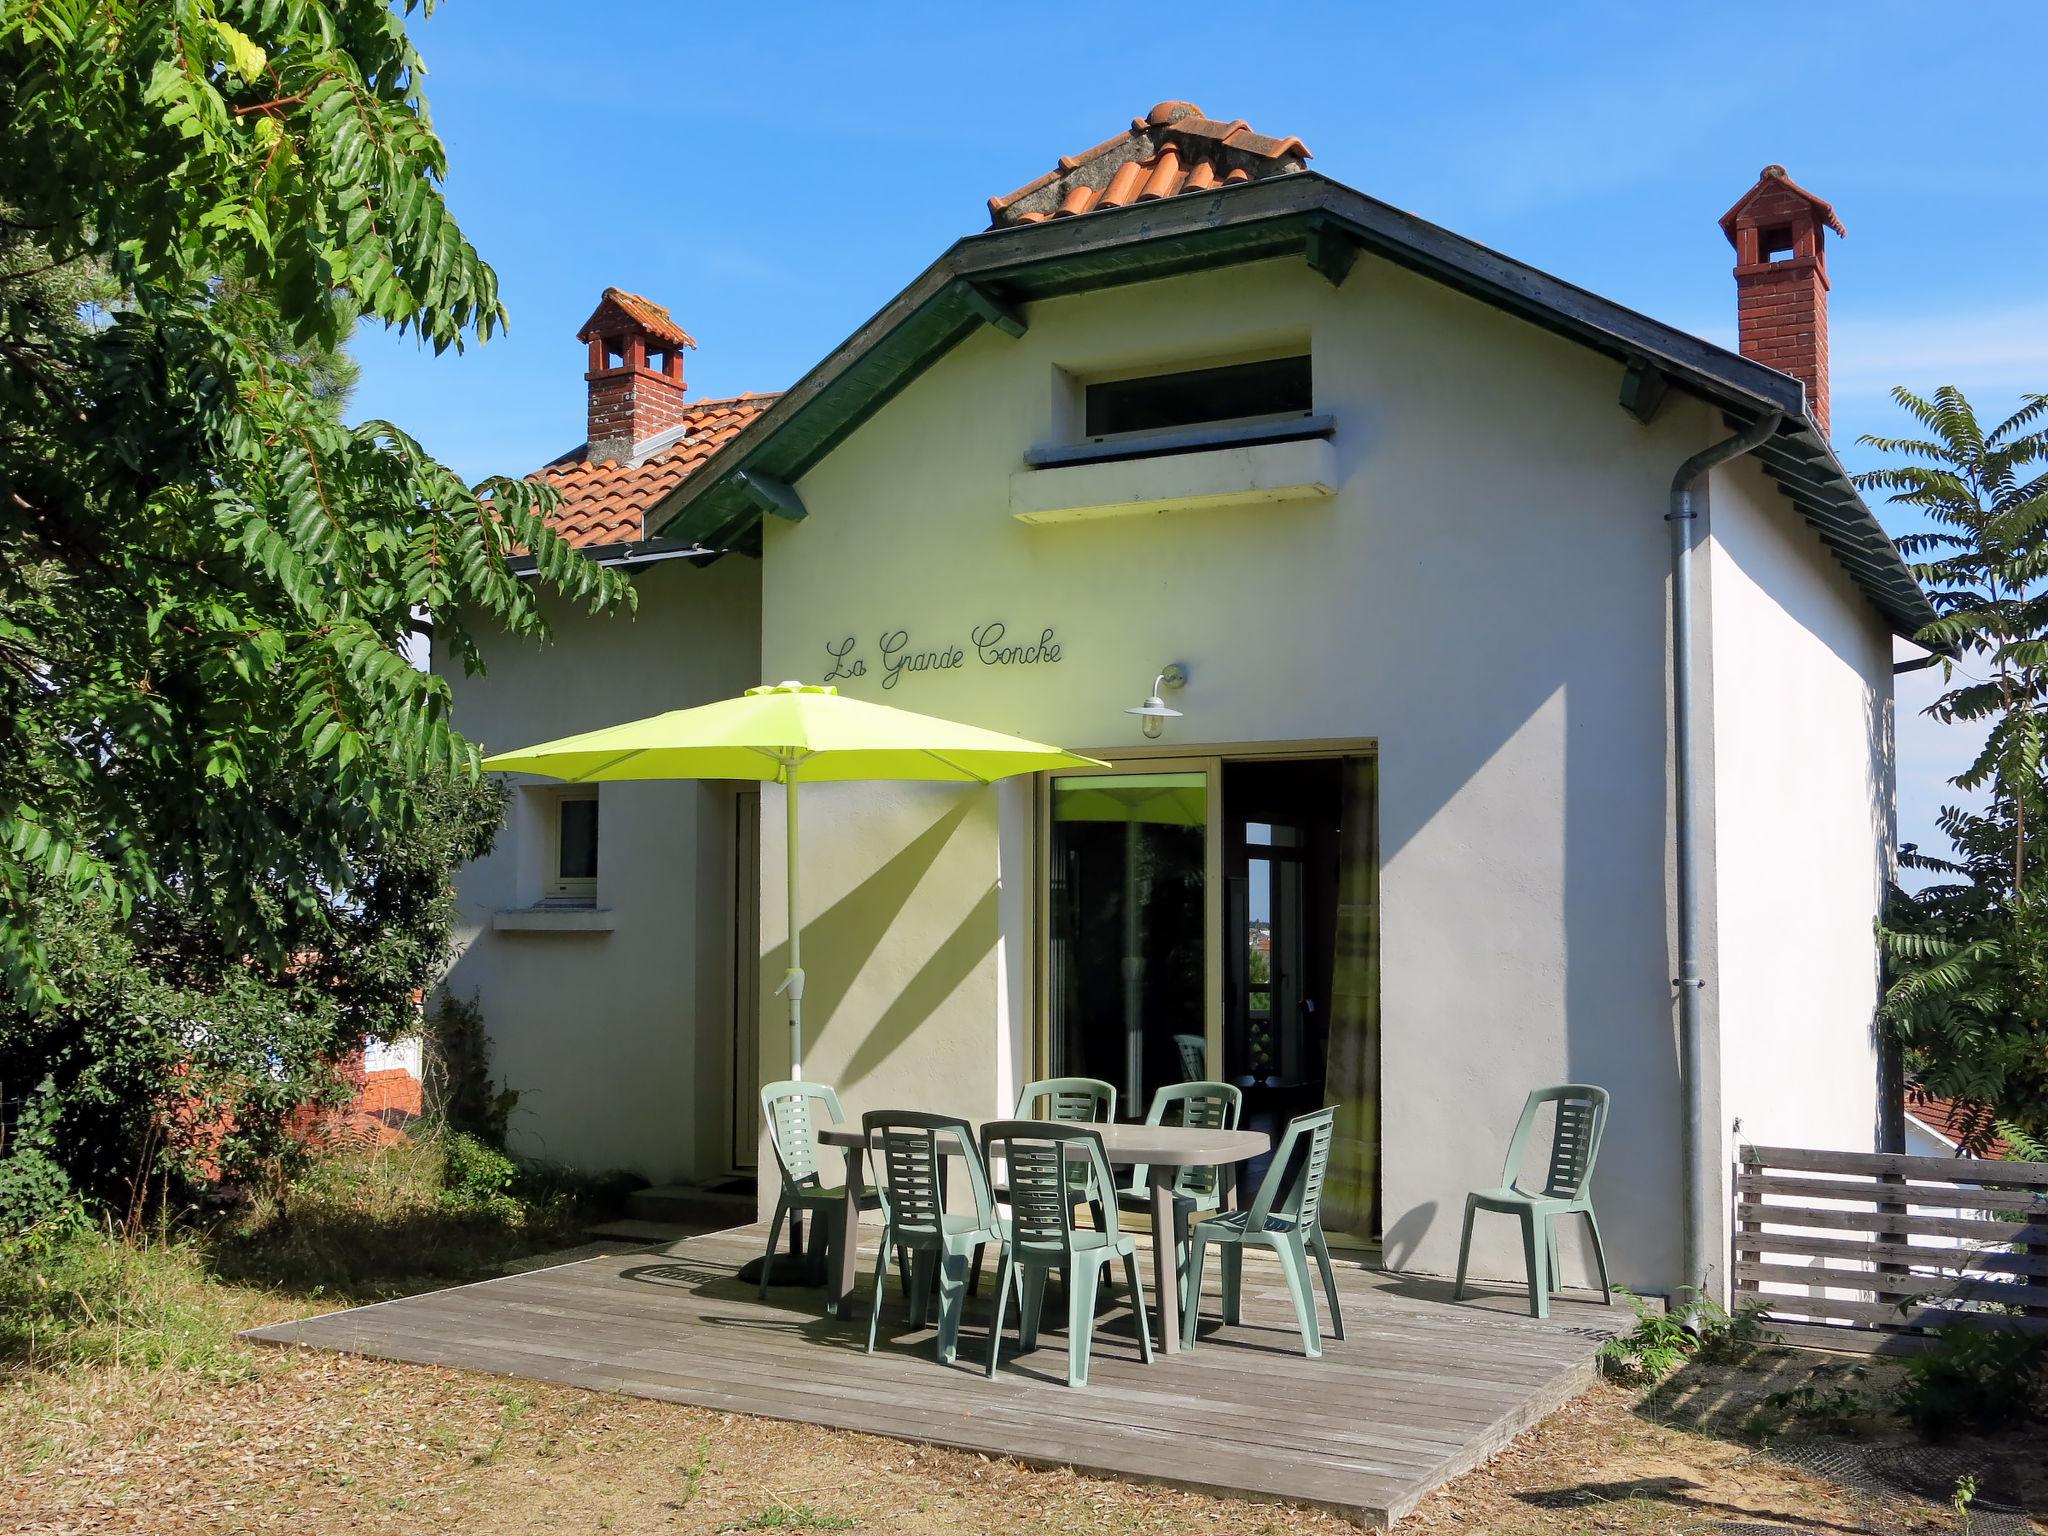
<point>607,502</point>
<point>1958,1125</point>
<point>988,278</point>
<point>1172,149</point>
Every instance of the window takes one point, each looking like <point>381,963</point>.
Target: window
<point>569,876</point>
<point>1277,387</point>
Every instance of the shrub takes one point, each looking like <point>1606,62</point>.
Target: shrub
<point>1696,1328</point>
<point>478,1178</point>
<point>1975,1377</point>
<point>34,1191</point>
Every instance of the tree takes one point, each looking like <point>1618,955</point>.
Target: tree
<point>1968,996</point>
<point>207,581</point>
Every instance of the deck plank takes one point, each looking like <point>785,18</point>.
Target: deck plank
<point>1418,1391</point>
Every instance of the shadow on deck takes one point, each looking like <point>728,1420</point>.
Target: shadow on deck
<point>1418,1391</point>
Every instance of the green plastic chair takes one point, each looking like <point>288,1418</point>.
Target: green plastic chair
<point>1285,1216</point>
<point>1199,1188</point>
<point>1060,1098</point>
<point>913,1189</point>
<point>1067,1098</point>
<point>1194,1056</point>
<point>790,1111</point>
<point>1574,1144</point>
<point>1047,1181</point>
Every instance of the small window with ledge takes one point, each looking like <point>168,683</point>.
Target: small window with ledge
<point>569,870</point>
<point>1274,389</point>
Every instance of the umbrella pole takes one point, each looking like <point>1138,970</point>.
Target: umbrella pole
<point>793,978</point>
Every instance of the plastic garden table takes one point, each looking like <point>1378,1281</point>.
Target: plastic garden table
<point>1162,1149</point>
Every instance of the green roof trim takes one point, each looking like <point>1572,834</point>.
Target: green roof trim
<point>986,278</point>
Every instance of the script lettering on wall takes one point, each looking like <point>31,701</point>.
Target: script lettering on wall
<point>988,645</point>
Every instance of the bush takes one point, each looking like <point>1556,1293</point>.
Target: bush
<point>1696,1327</point>
<point>477,1178</point>
<point>1975,1377</point>
<point>34,1191</point>
<point>176,1059</point>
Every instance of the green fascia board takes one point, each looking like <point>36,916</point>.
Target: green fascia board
<point>1255,221</point>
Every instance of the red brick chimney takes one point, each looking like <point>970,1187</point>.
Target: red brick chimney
<point>1779,231</point>
<point>636,373</point>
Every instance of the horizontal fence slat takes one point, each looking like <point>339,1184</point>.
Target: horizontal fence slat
<point>1881,1192</point>
<point>1809,1245</point>
<point>1990,1232</point>
<point>1985,1170</point>
<point>1848,1339</point>
<point>2012,1293</point>
<point>1777,1304</point>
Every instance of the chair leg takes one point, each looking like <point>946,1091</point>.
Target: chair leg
<point>995,1330</point>
<point>1536,1259</point>
<point>1294,1267</point>
<point>920,1285</point>
<point>1081,1280</point>
<point>1030,1303</point>
<point>1321,1244</point>
<point>881,1276</point>
<point>902,1268</point>
<point>1556,1262</point>
<point>952,1302</point>
<point>1138,1305</point>
<point>1190,1312</point>
<point>1599,1255</point>
<point>774,1239</point>
<point>1464,1250</point>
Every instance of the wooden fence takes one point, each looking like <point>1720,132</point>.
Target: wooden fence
<point>1872,1251</point>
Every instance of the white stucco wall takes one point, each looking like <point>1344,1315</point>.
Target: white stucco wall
<point>617,1042</point>
<point>1484,597</point>
<point>1801,780</point>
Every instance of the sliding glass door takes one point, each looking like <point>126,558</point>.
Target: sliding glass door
<point>1219,919</point>
<point>1130,935</point>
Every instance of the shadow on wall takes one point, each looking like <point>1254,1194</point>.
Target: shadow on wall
<point>856,926</point>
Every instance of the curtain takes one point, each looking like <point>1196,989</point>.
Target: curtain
<point>1351,1195</point>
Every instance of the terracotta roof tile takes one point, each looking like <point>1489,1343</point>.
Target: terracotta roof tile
<point>607,502</point>
<point>1170,150</point>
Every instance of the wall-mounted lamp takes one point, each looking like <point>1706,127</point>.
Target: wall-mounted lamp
<point>1154,712</point>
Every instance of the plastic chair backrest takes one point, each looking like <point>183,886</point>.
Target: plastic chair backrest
<point>1574,1140</point>
<point>1194,1056</point>
<point>1047,1179</point>
<point>1209,1106</point>
<point>793,1127</point>
<point>1068,1098</point>
<point>1293,1185</point>
<point>905,1144</point>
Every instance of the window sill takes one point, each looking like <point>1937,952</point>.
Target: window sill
<point>555,920</point>
<point>1243,475</point>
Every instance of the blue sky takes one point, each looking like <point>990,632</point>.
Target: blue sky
<point>775,173</point>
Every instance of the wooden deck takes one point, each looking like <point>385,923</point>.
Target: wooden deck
<point>1419,1390</point>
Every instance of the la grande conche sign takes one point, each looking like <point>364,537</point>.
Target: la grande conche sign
<point>988,644</point>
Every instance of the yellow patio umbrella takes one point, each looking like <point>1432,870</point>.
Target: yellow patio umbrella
<point>790,733</point>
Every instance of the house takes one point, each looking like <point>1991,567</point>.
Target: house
<point>1395,524</point>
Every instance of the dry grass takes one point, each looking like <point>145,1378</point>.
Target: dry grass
<point>149,1416</point>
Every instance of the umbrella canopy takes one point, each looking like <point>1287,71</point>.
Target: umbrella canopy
<point>790,733</point>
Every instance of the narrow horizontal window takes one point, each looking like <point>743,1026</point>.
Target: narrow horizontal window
<point>1277,386</point>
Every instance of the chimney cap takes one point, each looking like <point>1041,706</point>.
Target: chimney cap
<point>619,311</point>
<point>1772,179</point>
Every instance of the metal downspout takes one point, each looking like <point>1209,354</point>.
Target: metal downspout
<point>1700,1192</point>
